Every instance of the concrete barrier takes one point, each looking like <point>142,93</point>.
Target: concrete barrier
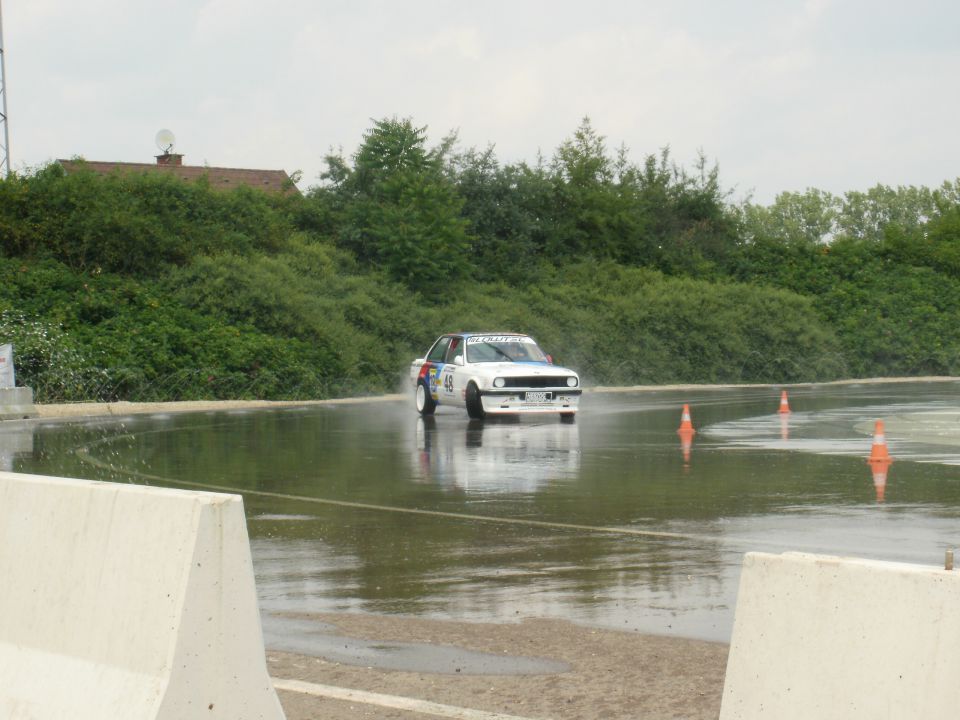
<point>127,602</point>
<point>825,637</point>
<point>17,403</point>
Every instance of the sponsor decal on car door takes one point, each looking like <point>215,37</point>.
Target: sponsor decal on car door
<point>446,382</point>
<point>436,389</point>
<point>452,377</point>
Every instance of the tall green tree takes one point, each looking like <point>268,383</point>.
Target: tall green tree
<point>397,209</point>
<point>595,210</point>
<point>509,211</point>
<point>691,230</point>
<point>807,218</point>
<point>866,215</point>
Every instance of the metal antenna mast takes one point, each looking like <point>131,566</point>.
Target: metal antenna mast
<point>5,150</point>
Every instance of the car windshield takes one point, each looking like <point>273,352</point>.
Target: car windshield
<point>503,348</point>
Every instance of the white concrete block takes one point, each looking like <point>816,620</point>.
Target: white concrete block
<point>127,602</point>
<point>17,403</point>
<point>825,637</point>
<point>7,376</point>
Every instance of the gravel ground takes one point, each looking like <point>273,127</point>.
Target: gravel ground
<point>611,674</point>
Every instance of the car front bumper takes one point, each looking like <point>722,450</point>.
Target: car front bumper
<point>513,401</point>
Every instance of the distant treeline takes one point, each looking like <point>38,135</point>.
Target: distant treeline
<point>143,287</point>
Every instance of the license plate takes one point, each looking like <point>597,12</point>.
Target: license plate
<point>538,396</point>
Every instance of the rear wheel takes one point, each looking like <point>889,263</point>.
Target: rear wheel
<point>474,405</point>
<point>568,417</point>
<point>425,403</point>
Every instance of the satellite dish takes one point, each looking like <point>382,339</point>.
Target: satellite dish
<point>165,141</point>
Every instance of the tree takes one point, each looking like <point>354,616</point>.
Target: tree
<point>596,214</point>
<point>807,218</point>
<point>397,209</point>
<point>866,215</point>
<point>507,208</point>
<point>690,229</point>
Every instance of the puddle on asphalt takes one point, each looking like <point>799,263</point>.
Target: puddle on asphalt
<point>370,508</point>
<point>919,432</point>
<point>317,639</point>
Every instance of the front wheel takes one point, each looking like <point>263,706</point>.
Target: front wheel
<point>474,404</point>
<point>568,417</point>
<point>425,403</point>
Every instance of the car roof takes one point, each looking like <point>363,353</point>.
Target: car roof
<point>474,334</point>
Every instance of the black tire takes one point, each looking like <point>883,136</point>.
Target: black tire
<point>474,405</point>
<point>423,400</point>
<point>568,417</point>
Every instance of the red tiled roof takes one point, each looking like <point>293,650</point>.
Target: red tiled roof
<point>219,178</point>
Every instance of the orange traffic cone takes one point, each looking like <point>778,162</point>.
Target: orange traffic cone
<point>784,405</point>
<point>879,449</point>
<point>686,433</point>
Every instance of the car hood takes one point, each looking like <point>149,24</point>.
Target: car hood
<point>519,369</point>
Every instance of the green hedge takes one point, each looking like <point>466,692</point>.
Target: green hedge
<point>141,287</point>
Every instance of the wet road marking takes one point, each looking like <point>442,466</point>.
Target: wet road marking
<point>395,702</point>
<point>84,454</point>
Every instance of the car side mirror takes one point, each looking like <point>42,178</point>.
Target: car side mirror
<point>458,360</point>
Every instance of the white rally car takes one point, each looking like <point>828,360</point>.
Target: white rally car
<point>493,373</point>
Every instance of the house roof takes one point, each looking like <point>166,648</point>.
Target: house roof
<point>219,178</point>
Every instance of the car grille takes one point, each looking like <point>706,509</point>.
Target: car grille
<point>536,381</point>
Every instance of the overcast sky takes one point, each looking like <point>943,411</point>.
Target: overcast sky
<point>783,94</point>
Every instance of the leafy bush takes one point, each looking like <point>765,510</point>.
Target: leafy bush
<point>628,326</point>
<point>47,359</point>
<point>142,287</point>
<point>134,224</point>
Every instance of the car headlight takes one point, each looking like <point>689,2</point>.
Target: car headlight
<point>571,381</point>
<point>499,382</point>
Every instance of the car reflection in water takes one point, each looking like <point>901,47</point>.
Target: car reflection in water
<point>508,455</point>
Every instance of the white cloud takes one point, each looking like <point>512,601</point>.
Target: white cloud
<point>783,95</point>
<point>462,43</point>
